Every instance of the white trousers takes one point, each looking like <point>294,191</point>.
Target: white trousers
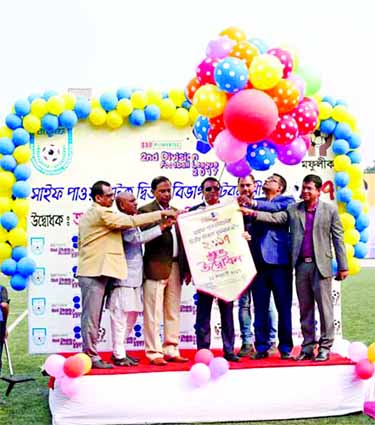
<point>122,323</point>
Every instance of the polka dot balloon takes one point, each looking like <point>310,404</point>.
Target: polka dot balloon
<point>286,96</point>
<point>306,116</point>
<point>205,71</point>
<point>191,88</point>
<point>231,75</point>
<point>209,101</point>
<point>245,50</point>
<point>286,130</point>
<point>285,58</point>
<point>293,153</point>
<point>201,127</point>
<point>261,156</point>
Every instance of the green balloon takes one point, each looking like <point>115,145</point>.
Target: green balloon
<point>312,80</point>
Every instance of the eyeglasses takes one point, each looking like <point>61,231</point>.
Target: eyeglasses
<point>209,189</point>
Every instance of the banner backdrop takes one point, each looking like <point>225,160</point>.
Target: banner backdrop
<point>65,167</point>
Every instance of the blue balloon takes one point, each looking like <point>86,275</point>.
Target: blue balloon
<point>334,266</point>
<point>21,189</point>
<point>260,44</point>
<point>362,222</point>
<point>137,118</point>
<point>22,107</point>
<point>341,178</point>
<point>164,94</point>
<point>8,163</point>
<point>341,102</point>
<point>124,93</point>
<point>342,131</point>
<point>6,146</point>
<point>9,220</point>
<point>364,236</point>
<point>354,208</point>
<point>354,141</point>
<point>202,147</point>
<point>355,157</point>
<point>22,172</point>
<point>108,101</point>
<point>344,195</point>
<point>231,75</point>
<point>20,137</point>
<point>8,267</point>
<point>152,113</point>
<point>360,250</point>
<point>18,282</point>
<point>68,119</point>
<point>330,100</point>
<point>50,123</point>
<point>49,93</point>
<point>26,266</point>
<point>261,155</point>
<point>186,104</point>
<point>327,126</point>
<point>82,108</point>
<point>201,127</point>
<point>33,96</point>
<point>13,121</point>
<point>19,252</point>
<point>340,147</point>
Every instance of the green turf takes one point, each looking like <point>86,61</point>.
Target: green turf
<point>28,402</point>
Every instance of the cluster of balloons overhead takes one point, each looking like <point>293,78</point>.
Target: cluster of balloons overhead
<point>67,371</point>
<point>206,366</point>
<point>254,102</point>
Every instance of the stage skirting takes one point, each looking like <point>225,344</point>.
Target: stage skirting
<point>240,395</point>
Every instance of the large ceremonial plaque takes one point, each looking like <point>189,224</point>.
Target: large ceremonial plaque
<point>219,257</point>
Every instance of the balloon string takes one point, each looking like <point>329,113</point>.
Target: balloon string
<point>221,173</point>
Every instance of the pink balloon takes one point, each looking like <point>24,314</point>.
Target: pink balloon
<point>70,386</point>
<point>307,140</point>
<point>205,71</point>
<point>239,168</point>
<point>218,367</point>
<point>251,115</point>
<point>220,47</point>
<point>199,374</point>
<point>364,369</point>
<point>228,148</point>
<point>357,351</point>
<point>299,83</point>
<point>286,130</point>
<point>285,58</point>
<point>203,356</point>
<point>54,365</point>
<point>293,153</point>
<point>306,116</point>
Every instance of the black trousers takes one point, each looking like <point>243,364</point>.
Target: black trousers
<point>2,337</point>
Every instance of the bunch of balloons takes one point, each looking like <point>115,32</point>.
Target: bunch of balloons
<point>207,367</point>
<point>254,102</point>
<point>67,371</point>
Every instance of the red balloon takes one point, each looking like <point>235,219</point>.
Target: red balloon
<point>285,58</point>
<point>250,115</point>
<point>306,116</point>
<point>211,135</point>
<point>74,366</point>
<point>286,130</point>
<point>191,88</point>
<point>364,369</point>
<point>217,123</point>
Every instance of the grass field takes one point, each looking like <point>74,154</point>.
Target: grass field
<point>28,402</point>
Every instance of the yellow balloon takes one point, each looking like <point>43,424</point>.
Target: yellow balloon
<point>209,101</point>
<point>371,352</point>
<point>341,162</point>
<point>340,113</point>
<point>5,204</point>
<point>31,123</point>
<point>138,100</point>
<point>354,266</point>
<point>359,195</point>
<point>21,207</point>
<point>347,221</point>
<point>17,237</point>
<point>7,180</point>
<point>351,236</point>
<point>355,172</point>
<point>39,107</point>
<point>181,117</point>
<point>22,154</point>
<point>167,109</point>
<point>55,105</point>
<point>352,122</point>
<point>153,97</point>
<point>6,132</point>
<point>5,251</point>
<point>325,110</point>
<point>97,116</point>
<point>193,114</point>
<point>69,101</point>
<point>349,250</point>
<point>22,223</point>
<point>366,206</point>
<point>95,103</point>
<point>114,119</point>
<point>234,33</point>
<point>87,362</point>
<point>177,96</point>
<point>265,71</point>
<point>341,206</point>
<point>124,107</point>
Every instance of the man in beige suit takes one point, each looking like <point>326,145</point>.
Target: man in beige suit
<point>101,257</point>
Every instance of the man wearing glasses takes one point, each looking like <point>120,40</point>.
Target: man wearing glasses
<point>101,257</point>
<point>211,193</point>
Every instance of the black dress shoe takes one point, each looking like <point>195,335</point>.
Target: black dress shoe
<point>285,356</point>
<point>304,356</point>
<point>132,359</point>
<point>231,357</point>
<point>246,350</point>
<point>322,356</point>
<point>260,355</point>
<point>99,364</point>
<point>122,362</point>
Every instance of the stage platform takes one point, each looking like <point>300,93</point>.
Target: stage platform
<point>251,390</point>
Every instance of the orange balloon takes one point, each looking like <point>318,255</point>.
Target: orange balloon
<point>87,361</point>
<point>285,94</point>
<point>234,33</point>
<point>191,88</point>
<point>245,51</point>
<point>74,366</point>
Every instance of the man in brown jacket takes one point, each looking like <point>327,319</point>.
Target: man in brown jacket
<point>101,257</point>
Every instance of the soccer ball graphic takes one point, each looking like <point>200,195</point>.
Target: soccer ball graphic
<point>51,153</point>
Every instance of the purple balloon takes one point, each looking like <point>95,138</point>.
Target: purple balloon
<point>300,84</point>
<point>218,367</point>
<point>239,168</point>
<point>220,47</point>
<point>292,153</point>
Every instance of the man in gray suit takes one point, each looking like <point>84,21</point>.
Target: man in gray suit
<point>314,226</point>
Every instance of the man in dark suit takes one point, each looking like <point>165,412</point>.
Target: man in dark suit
<point>269,247</point>
<point>314,226</point>
<point>211,192</point>
<point>162,287</point>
